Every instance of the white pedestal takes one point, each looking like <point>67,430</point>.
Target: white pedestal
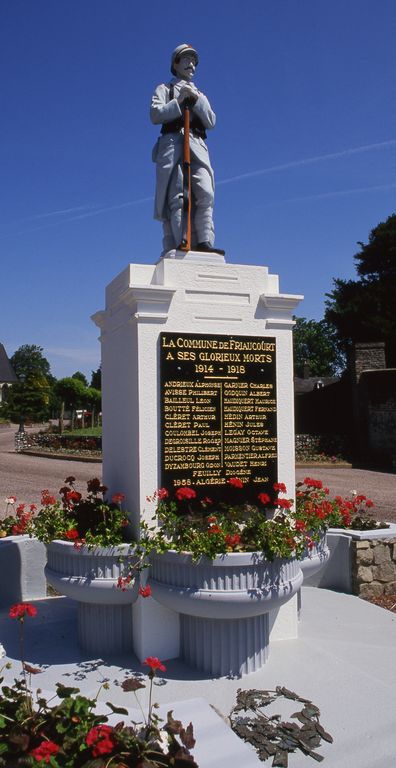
<point>194,293</point>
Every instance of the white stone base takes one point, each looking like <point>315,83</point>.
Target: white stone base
<point>156,630</point>
<point>105,629</point>
<point>283,621</point>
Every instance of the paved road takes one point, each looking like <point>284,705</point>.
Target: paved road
<point>26,476</point>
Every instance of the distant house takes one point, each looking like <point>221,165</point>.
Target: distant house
<point>7,374</point>
<point>312,383</point>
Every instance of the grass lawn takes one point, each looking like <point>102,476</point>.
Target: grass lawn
<point>88,432</point>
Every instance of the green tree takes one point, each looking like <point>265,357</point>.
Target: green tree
<point>80,376</point>
<point>93,401</point>
<point>29,399</point>
<point>71,393</point>
<point>364,309</point>
<point>29,360</point>
<point>96,378</point>
<point>314,343</point>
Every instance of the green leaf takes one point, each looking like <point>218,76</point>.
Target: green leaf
<point>117,710</point>
<point>64,692</point>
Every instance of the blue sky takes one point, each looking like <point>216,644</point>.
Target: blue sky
<point>304,149</point>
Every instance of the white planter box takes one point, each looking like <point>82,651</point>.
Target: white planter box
<point>90,576</point>
<point>315,559</point>
<point>224,605</point>
<point>22,562</point>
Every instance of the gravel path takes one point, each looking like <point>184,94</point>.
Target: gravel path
<point>25,477</point>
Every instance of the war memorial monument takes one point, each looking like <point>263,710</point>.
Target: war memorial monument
<point>196,362</point>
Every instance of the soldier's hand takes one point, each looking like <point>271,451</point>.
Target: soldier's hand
<point>187,92</point>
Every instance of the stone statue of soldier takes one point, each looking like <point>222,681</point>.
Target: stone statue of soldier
<point>167,110</point>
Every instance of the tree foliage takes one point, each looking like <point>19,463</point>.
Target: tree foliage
<point>315,344</point>
<point>81,377</point>
<point>71,391</point>
<point>29,398</point>
<point>96,378</point>
<point>364,309</point>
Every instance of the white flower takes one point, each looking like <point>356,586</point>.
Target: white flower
<point>353,493</point>
<point>2,651</point>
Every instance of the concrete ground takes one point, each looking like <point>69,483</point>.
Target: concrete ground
<point>343,660</point>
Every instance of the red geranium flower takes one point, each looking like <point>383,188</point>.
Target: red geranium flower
<point>279,487</point>
<point>20,610</point>
<point>214,529</point>
<point>47,499</point>
<point>235,482</point>
<point>264,498</point>
<point>72,534</point>
<point>145,591</point>
<point>232,540</point>
<point>122,582</point>
<point>185,494</point>
<point>211,519</point>
<point>162,494</point>
<point>283,503</point>
<point>44,751</point>
<point>73,496</point>
<point>154,663</point>
<point>100,737</point>
<point>117,498</point>
<point>311,483</point>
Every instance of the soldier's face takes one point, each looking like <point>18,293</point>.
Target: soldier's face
<point>185,67</point>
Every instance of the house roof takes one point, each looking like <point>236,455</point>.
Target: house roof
<point>301,386</point>
<point>7,374</point>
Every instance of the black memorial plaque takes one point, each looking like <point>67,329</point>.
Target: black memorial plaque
<point>218,412</point>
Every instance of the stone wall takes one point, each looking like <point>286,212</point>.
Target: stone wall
<point>374,567</point>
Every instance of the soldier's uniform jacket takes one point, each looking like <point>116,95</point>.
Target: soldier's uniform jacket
<point>168,150</point>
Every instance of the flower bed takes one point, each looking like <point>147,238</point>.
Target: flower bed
<point>49,442</point>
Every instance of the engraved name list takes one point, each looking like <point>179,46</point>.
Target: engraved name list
<point>218,412</point>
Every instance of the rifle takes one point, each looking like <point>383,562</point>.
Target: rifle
<point>185,244</point>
